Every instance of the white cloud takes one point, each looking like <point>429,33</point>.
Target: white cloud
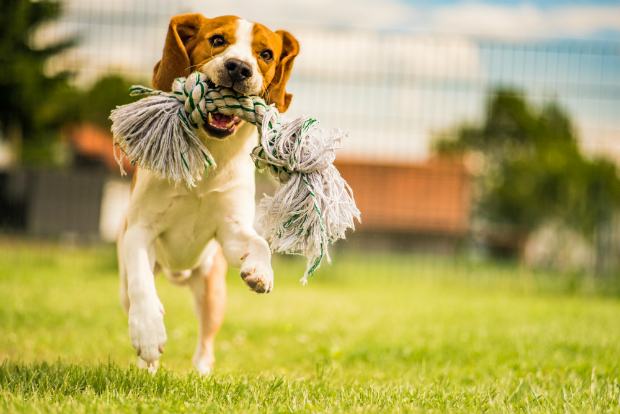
<point>515,20</point>
<point>524,20</point>
<point>519,20</point>
<point>290,13</point>
<point>381,88</point>
<point>332,53</point>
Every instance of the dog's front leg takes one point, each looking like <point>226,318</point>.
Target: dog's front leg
<point>146,312</point>
<point>244,248</point>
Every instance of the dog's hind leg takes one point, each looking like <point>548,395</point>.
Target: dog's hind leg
<point>122,270</point>
<point>208,284</point>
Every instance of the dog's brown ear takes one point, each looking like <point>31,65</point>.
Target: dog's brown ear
<point>276,92</point>
<point>180,42</point>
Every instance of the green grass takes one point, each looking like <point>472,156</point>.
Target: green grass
<point>370,333</point>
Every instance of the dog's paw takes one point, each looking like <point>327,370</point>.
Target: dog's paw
<point>151,367</point>
<point>147,330</point>
<point>257,275</point>
<point>203,364</point>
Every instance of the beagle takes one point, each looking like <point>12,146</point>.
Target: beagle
<point>192,233</point>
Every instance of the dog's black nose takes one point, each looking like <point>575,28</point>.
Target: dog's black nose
<point>238,70</point>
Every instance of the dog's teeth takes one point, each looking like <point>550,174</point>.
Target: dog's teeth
<point>216,85</point>
<point>210,118</point>
<point>230,124</point>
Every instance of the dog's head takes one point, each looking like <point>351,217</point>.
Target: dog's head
<point>244,56</point>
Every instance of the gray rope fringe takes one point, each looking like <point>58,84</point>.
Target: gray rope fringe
<point>313,205</point>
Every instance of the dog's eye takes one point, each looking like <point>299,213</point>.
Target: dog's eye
<point>267,55</point>
<point>217,41</point>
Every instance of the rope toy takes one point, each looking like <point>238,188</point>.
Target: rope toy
<point>313,204</point>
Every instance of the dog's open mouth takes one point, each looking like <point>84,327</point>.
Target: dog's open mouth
<point>220,126</point>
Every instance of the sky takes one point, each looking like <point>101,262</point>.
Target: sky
<point>547,18</point>
<point>540,3</point>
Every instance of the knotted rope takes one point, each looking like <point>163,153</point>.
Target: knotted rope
<point>313,204</point>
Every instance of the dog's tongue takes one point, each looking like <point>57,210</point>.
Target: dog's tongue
<point>221,120</point>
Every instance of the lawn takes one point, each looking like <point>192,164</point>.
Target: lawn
<point>370,333</point>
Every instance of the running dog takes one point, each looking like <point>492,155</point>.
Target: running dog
<point>191,233</point>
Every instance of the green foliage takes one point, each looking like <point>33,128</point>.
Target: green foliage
<point>24,86</point>
<point>371,333</point>
<point>36,105</point>
<point>90,106</point>
<point>105,95</point>
<point>534,170</point>
<point>68,105</point>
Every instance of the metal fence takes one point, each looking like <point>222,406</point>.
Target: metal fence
<point>395,92</point>
<point>391,90</point>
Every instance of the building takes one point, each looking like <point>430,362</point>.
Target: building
<point>409,207</point>
<point>424,206</point>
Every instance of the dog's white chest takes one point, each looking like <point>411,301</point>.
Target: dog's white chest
<point>184,219</point>
<point>188,225</point>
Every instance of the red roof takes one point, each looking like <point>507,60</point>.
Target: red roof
<point>95,143</point>
<point>431,197</point>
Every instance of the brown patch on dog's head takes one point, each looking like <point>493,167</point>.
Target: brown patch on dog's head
<point>276,72</point>
<point>180,42</point>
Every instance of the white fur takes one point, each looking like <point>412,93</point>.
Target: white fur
<point>172,225</point>
<point>242,50</point>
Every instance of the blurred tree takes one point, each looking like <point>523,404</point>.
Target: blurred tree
<point>105,95</point>
<point>534,171</point>
<point>92,106</point>
<point>35,104</point>
<point>25,88</point>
